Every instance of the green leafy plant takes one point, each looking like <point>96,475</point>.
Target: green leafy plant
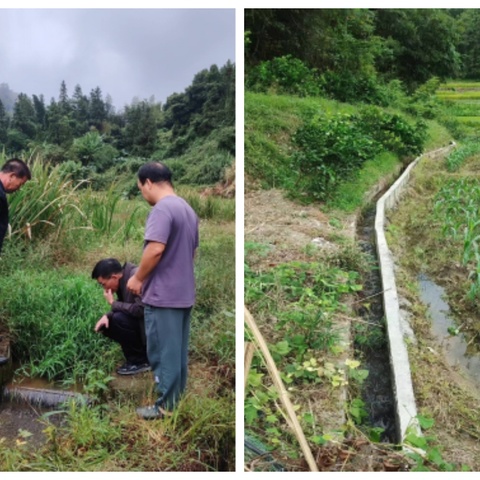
<point>284,74</point>
<point>426,452</point>
<point>330,149</point>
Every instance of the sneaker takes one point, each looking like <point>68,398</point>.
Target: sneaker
<point>149,413</point>
<point>132,369</point>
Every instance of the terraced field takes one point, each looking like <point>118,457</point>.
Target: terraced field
<point>463,99</point>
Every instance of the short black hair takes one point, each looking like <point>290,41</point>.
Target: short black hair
<point>18,167</point>
<point>156,172</point>
<point>106,268</point>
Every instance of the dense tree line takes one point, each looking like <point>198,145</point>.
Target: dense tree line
<point>85,131</point>
<point>365,45</point>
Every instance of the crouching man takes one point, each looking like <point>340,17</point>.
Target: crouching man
<point>124,323</point>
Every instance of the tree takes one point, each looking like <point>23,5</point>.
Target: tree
<point>59,126</point>
<point>4,122</point>
<point>63,101</point>
<point>80,110</point>
<point>140,129</point>
<point>469,44</point>
<point>419,44</point>
<point>98,111</point>
<point>40,111</point>
<point>24,117</point>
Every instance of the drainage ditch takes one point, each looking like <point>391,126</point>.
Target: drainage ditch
<point>370,339</point>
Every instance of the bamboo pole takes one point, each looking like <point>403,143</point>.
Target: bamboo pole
<point>283,394</point>
<point>247,361</point>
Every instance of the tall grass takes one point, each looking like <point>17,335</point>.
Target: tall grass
<point>209,207</point>
<point>199,437</point>
<point>213,332</point>
<point>45,204</point>
<point>51,315</point>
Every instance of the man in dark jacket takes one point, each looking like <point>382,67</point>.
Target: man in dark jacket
<point>124,323</point>
<point>13,175</point>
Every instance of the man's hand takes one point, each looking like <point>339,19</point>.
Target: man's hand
<point>108,295</point>
<point>101,324</point>
<point>135,285</point>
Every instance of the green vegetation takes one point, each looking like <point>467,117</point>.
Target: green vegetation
<point>456,204</point>
<point>304,300</point>
<point>460,102</point>
<point>199,437</point>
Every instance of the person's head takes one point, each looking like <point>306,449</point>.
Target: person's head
<point>14,174</point>
<point>153,177</point>
<point>107,273</point>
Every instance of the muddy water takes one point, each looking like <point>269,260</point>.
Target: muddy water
<point>22,423</point>
<point>22,406</point>
<point>456,348</point>
<point>377,392</point>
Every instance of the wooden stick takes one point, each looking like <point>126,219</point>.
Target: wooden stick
<point>247,360</point>
<point>277,381</point>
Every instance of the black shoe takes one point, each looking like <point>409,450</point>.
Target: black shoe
<point>3,360</point>
<point>132,369</point>
<point>149,413</point>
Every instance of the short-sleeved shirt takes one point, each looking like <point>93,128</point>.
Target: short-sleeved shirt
<point>171,284</point>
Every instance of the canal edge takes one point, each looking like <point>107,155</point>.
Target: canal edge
<point>405,405</point>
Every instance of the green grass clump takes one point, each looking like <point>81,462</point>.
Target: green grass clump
<point>350,195</point>
<point>51,316</point>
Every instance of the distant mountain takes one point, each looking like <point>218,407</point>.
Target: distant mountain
<point>8,97</point>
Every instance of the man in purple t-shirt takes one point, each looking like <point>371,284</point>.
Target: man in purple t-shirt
<point>165,279</point>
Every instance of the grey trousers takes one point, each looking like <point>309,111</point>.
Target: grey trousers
<point>167,331</point>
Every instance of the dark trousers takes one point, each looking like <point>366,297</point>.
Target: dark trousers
<point>168,331</point>
<point>129,332</point>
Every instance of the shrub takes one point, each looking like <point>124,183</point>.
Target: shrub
<point>424,103</point>
<point>285,75</point>
<point>392,131</point>
<point>330,150</point>
<point>352,87</point>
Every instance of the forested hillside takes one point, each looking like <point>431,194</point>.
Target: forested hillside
<point>357,51</point>
<point>193,130</point>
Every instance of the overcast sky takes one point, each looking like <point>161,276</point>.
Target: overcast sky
<point>126,52</point>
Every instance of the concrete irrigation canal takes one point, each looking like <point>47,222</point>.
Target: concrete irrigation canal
<point>399,331</point>
<point>377,391</point>
<point>388,392</point>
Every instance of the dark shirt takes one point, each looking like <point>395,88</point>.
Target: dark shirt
<point>3,215</point>
<point>127,302</point>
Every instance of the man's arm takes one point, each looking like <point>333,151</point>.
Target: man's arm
<point>151,256</point>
